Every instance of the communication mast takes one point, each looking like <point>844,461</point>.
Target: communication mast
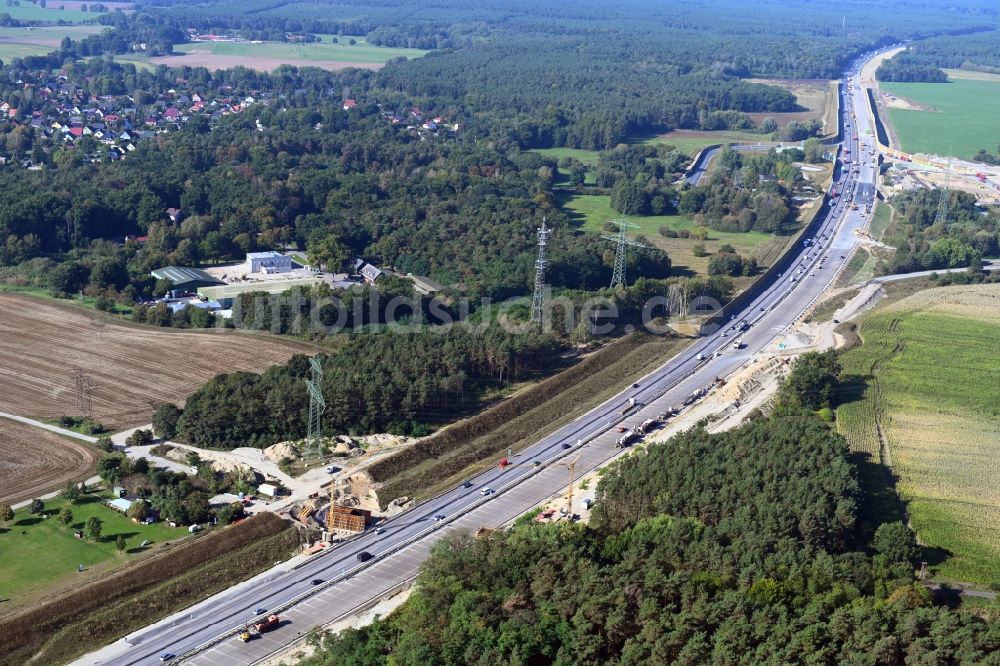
<point>538,299</point>
<point>317,405</point>
<point>84,393</point>
<point>622,242</point>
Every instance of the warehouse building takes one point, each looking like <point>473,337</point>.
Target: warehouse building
<point>268,262</point>
<point>185,279</point>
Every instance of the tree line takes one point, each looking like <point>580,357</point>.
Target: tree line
<point>728,548</point>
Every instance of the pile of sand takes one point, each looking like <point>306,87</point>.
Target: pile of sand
<point>281,450</point>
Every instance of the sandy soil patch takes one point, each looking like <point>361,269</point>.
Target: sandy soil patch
<point>868,71</point>
<point>35,461</point>
<point>133,368</point>
<point>212,61</point>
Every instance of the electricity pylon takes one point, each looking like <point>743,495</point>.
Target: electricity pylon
<point>945,201</point>
<point>622,240</point>
<point>317,405</point>
<point>538,299</point>
<point>84,393</point>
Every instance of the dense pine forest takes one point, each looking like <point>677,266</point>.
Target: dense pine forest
<point>742,547</point>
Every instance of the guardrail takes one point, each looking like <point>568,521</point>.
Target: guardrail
<point>738,303</point>
<point>388,594</point>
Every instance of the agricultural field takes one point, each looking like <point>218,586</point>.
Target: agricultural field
<point>269,56</point>
<point>33,461</point>
<point>592,212</point>
<point>921,399</point>
<point>586,157</point>
<point>52,12</point>
<point>817,96</point>
<point>39,552</point>
<point>691,141</point>
<point>133,368</point>
<point>23,42</point>
<point>956,118</point>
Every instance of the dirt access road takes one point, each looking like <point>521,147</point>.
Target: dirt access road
<point>133,368</point>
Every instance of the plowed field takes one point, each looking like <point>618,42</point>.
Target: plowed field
<point>132,368</point>
<point>33,461</point>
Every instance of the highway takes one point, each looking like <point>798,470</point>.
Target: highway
<point>335,582</point>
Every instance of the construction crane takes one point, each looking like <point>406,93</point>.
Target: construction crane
<point>571,469</point>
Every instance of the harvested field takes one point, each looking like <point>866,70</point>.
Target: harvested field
<point>817,97</point>
<point>33,461</point>
<point>133,368</point>
<point>213,61</point>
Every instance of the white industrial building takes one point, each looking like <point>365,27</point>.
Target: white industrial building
<point>268,262</point>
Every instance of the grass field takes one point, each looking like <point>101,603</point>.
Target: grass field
<point>924,402</point>
<point>592,212</point>
<point>38,553</point>
<point>691,141</point>
<point>881,219</point>
<point>22,42</point>
<point>28,11</point>
<point>586,157</point>
<point>268,56</point>
<point>962,117</point>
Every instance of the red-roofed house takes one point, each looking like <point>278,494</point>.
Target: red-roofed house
<point>349,104</point>
<point>172,113</point>
<point>76,131</point>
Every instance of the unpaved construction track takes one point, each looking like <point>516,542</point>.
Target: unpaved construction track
<point>33,461</point>
<point>132,368</point>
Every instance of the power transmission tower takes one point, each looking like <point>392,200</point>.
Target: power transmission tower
<point>84,393</point>
<point>317,405</point>
<point>622,240</point>
<point>945,201</point>
<point>538,299</point>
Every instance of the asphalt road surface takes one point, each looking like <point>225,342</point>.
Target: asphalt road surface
<point>335,582</point>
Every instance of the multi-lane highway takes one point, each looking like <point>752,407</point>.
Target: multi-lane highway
<point>335,582</point>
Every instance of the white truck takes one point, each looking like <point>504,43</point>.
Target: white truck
<point>739,344</point>
<point>625,439</point>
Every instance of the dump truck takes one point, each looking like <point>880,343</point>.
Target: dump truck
<point>266,624</point>
<point>245,636</point>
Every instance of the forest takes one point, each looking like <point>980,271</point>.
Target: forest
<point>741,547</point>
<point>963,238</point>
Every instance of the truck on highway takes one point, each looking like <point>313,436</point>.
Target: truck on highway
<point>628,405</point>
<point>646,426</point>
<point>739,344</point>
<point>267,624</point>
<point>625,439</point>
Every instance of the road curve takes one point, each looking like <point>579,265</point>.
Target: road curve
<point>343,583</point>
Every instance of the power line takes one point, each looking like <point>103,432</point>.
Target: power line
<point>621,249</point>
<point>538,299</point>
<point>317,405</point>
